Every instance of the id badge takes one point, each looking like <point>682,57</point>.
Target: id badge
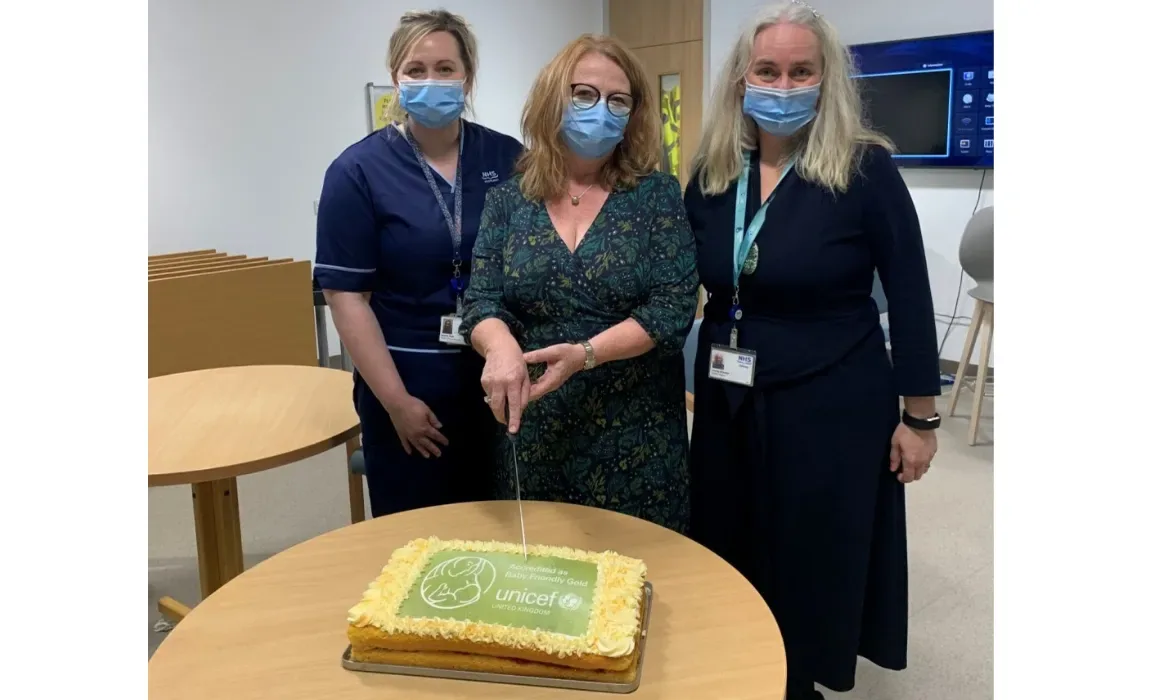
<point>449,330</point>
<point>734,365</point>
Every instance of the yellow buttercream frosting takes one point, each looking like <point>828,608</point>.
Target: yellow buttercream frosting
<point>614,620</point>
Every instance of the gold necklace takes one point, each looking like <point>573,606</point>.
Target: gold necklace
<point>577,200</point>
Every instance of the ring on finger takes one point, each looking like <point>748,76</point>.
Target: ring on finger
<point>487,399</point>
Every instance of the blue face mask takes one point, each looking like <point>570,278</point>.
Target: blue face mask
<point>593,132</point>
<point>432,103</point>
<point>781,112</point>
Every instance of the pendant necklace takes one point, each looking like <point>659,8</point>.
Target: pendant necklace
<point>753,259</point>
<point>577,200</point>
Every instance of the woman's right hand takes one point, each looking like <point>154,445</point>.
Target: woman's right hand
<point>417,427</point>
<point>505,383</point>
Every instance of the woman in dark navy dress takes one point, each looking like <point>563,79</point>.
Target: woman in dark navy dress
<point>396,224</point>
<point>800,452</point>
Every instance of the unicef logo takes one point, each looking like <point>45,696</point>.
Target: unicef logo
<point>457,583</point>
<point>570,601</point>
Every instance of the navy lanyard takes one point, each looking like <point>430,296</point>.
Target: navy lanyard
<point>746,233</point>
<point>454,222</point>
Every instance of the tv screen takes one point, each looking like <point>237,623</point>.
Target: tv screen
<point>934,98</point>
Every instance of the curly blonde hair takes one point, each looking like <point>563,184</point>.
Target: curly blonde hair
<point>543,168</point>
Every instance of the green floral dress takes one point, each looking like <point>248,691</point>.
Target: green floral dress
<point>615,436</point>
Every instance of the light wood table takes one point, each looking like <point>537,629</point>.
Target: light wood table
<point>278,630</point>
<point>211,426</point>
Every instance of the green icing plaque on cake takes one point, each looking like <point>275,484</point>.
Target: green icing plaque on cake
<point>542,593</point>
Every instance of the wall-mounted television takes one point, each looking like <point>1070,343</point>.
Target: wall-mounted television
<point>934,97</point>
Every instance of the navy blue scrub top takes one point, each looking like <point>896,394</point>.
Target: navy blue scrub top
<point>380,228</point>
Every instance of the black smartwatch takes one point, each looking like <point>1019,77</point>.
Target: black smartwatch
<point>931,423</point>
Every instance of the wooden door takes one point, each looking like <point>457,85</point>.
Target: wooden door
<point>667,37</point>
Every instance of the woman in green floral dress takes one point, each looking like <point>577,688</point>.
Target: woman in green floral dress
<point>583,289</point>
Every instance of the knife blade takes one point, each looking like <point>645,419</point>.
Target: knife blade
<point>516,474</point>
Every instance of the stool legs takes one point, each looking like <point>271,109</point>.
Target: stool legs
<point>981,375</point>
<point>965,359</point>
<point>357,493</point>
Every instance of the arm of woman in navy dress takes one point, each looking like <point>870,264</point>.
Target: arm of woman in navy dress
<point>488,324</point>
<point>664,318</point>
<point>900,257</point>
<point>346,265</point>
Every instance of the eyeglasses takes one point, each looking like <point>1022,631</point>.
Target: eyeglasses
<point>585,96</point>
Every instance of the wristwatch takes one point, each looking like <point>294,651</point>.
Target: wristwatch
<point>590,359</point>
<point>931,423</point>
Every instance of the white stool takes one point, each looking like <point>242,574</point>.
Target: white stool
<point>978,261</point>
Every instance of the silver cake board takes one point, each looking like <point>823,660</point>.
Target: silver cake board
<point>484,677</point>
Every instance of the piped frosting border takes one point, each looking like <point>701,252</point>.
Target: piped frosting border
<point>614,620</point>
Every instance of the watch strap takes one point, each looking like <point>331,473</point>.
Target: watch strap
<point>931,423</point>
<point>590,358</point>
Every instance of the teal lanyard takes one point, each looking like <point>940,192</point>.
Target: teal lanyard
<point>746,238</point>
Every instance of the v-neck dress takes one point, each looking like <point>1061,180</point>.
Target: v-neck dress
<point>615,436</point>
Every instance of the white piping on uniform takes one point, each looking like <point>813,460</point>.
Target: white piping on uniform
<point>345,269</point>
<point>443,351</point>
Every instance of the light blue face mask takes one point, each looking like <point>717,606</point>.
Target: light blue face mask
<point>432,103</point>
<point>781,112</point>
<point>593,132</point>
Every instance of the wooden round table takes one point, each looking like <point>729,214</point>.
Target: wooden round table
<point>210,426</point>
<point>279,629</point>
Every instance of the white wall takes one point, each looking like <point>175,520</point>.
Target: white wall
<point>945,198</point>
<point>249,102</point>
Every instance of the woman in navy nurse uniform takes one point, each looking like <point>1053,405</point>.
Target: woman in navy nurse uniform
<point>800,452</point>
<point>396,223</point>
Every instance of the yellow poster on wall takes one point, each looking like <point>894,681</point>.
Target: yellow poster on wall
<point>378,106</point>
<point>671,124</point>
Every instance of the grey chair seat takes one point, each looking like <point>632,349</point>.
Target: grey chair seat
<point>357,462</point>
<point>983,291</point>
<point>690,349</point>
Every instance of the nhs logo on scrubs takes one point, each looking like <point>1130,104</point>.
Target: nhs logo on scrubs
<point>490,176</point>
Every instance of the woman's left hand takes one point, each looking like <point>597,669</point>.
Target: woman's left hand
<point>912,450</point>
<point>562,361</point>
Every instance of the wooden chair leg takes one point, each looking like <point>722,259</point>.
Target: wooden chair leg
<point>357,493</point>
<point>965,359</point>
<point>981,375</point>
<point>172,610</point>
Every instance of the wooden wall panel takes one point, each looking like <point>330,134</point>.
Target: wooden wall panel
<point>641,23</point>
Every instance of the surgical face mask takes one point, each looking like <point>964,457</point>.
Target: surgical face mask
<point>781,112</point>
<point>432,103</point>
<point>593,132</point>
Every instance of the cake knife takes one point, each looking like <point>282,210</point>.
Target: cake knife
<point>516,473</point>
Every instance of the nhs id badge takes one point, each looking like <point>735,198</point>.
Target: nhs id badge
<point>734,365</point>
<point>449,330</point>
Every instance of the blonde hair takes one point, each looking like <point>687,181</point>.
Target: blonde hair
<point>413,27</point>
<point>543,168</point>
<point>830,148</point>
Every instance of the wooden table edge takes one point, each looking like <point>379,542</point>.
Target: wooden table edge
<point>257,465</point>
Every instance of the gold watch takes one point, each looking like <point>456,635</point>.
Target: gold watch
<point>590,358</point>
